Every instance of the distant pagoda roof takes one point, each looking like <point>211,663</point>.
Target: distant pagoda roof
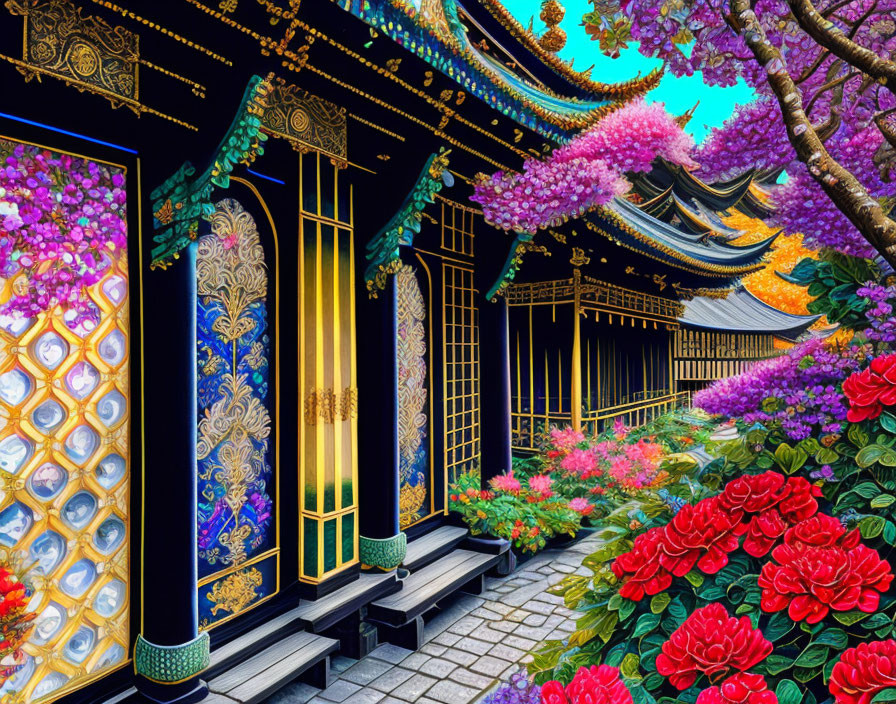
<point>637,229</point>
<point>433,30</point>
<point>742,312</point>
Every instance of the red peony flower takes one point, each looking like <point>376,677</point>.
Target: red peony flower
<point>713,643</point>
<point>700,535</point>
<point>640,567</point>
<point>863,671</point>
<point>762,532</point>
<point>595,685</point>
<point>821,531</point>
<point>869,390</point>
<point>798,500</point>
<point>753,493</point>
<point>809,581</point>
<point>742,688</point>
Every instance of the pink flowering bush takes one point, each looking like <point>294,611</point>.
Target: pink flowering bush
<point>587,172</point>
<point>62,221</point>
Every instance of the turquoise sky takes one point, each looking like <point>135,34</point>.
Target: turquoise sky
<point>679,94</point>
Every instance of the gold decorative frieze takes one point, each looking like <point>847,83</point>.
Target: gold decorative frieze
<point>86,52</point>
<point>308,122</point>
<point>236,592</point>
<point>329,406</point>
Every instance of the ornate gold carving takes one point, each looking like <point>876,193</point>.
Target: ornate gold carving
<point>578,257</point>
<point>348,403</point>
<point>330,406</point>
<point>327,404</point>
<point>235,592</point>
<point>86,52</point>
<point>427,79</point>
<point>305,120</point>
<point>311,407</point>
<point>392,65</point>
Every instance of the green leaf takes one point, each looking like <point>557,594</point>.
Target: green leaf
<point>788,692</point>
<point>871,526</point>
<point>813,656</point>
<point>615,602</point>
<point>775,664</point>
<point>867,490</point>
<point>629,667</point>
<point>645,624</point>
<point>659,602</point>
<point>848,618</point>
<point>790,458</point>
<point>885,695</point>
<point>694,578</point>
<point>826,456</point>
<point>882,501</point>
<point>834,637</point>
<point>857,436</point>
<point>779,625</point>
<point>888,422</point>
<point>869,455</point>
<point>628,607</point>
<point>890,532</point>
<point>677,611</point>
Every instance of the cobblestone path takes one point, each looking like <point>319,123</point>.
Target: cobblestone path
<point>471,644</point>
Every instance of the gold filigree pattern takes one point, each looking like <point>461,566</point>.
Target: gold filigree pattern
<point>85,51</point>
<point>233,432</point>
<point>307,121</point>
<point>235,592</point>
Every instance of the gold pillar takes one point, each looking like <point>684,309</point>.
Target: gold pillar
<point>575,394</point>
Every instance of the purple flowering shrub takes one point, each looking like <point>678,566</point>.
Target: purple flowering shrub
<point>62,221</point>
<point>518,690</point>
<point>800,391</point>
<point>879,313</point>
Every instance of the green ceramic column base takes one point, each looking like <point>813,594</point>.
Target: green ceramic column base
<point>170,664</point>
<point>385,553</point>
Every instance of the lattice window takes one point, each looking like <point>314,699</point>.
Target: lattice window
<point>457,229</point>
<point>461,340</point>
<point>64,432</point>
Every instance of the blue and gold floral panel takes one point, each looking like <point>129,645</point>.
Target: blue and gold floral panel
<point>238,554</point>
<point>414,399</point>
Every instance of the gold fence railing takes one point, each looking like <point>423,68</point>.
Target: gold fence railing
<point>526,426</point>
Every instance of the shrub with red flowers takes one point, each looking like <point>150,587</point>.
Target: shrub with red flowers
<point>598,684</point>
<point>16,622</point>
<point>744,597</point>
<point>869,390</point>
<point>863,672</point>
<point>713,643</point>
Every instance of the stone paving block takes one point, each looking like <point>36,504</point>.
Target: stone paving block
<point>555,578</point>
<point>505,590</point>
<point>433,649</point>
<point>547,569</point>
<point>487,634</point>
<point>549,598</point>
<point>294,693</point>
<point>499,607</point>
<point>461,657</point>
<point>390,653</point>
<point>340,663</point>
<point>414,661</point>
<point>339,691</point>
<point>438,668</point>
<point>535,620</point>
<point>568,626</point>
<point>395,677</point>
<point>486,613</point>
<point>450,692</point>
<point>487,665</point>
<point>527,659</point>
<point>553,621</point>
<point>366,671</point>
<point>471,678</point>
<point>426,700</point>
<point>557,635</point>
<point>472,645</point>
<point>414,688</point>
<point>515,641</point>
<point>541,607</point>
<point>566,569</point>
<point>447,638</point>
<point>505,626</point>
<point>506,652</point>
<point>532,633</point>
<point>519,616</point>
<point>525,594</point>
<point>466,625</point>
<point>365,696</point>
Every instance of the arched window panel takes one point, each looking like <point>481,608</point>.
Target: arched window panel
<point>237,537</point>
<point>416,500</point>
<point>64,420</point>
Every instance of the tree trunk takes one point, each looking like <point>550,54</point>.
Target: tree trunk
<point>844,189</point>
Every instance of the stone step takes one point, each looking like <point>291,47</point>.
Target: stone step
<point>301,655</point>
<point>320,614</point>
<point>430,547</point>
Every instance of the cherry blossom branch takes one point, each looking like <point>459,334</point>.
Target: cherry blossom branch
<point>844,189</point>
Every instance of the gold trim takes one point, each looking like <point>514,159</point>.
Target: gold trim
<point>236,568</point>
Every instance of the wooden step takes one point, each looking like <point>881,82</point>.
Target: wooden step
<point>320,614</point>
<point>430,547</point>
<point>253,641</point>
<point>258,677</point>
<point>424,588</point>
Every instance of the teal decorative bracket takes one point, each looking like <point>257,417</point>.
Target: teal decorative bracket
<point>181,201</point>
<point>382,250</point>
<point>385,553</point>
<point>511,265</point>
<point>170,664</point>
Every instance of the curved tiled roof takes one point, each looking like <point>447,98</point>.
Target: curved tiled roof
<point>432,29</point>
<point>742,312</point>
